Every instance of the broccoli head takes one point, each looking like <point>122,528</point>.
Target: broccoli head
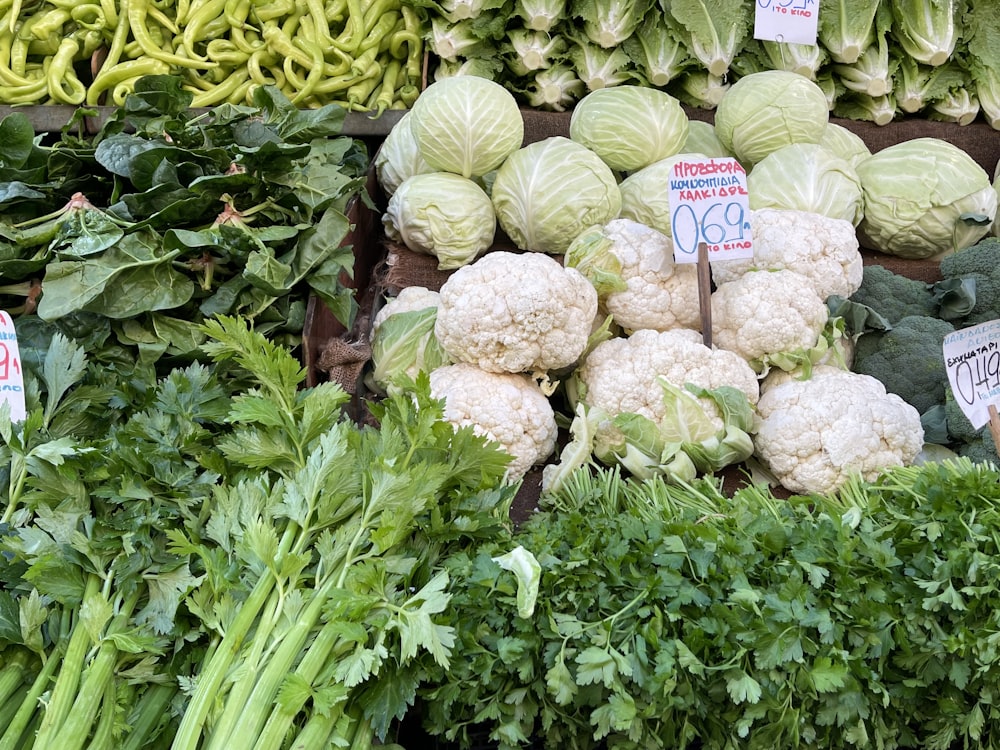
<point>966,440</point>
<point>893,295</point>
<point>960,429</point>
<point>981,263</point>
<point>981,450</point>
<point>908,359</point>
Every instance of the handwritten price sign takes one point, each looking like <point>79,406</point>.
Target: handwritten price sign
<point>789,21</point>
<point>11,377</point>
<point>709,203</point>
<point>972,360</point>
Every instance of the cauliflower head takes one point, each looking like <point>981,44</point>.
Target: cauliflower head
<point>516,312</point>
<point>823,249</point>
<point>769,317</point>
<point>402,339</point>
<point>659,403</point>
<point>659,294</point>
<point>408,299</point>
<point>814,434</point>
<point>620,374</point>
<point>507,408</point>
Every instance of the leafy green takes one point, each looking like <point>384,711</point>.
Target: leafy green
<point>679,615</point>
<point>238,211</point>
<point>151,521</point>
<point>713,31</point>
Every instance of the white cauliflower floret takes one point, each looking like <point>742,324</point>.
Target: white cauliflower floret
<point>402,339</point>
<point>821,248</point>
<point>516,312</point>
<point>507,408</point>
<point>409,299</point>
<point>620,375</point>
<point>762,314</point>
<point>814,434</point>
<point>660,294</point>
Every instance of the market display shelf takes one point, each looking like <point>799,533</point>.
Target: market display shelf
<point>51,118</point>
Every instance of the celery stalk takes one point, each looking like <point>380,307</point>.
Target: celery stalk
<point>63,693</point>
<point>29,712</point>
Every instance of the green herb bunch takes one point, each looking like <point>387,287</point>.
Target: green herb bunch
<point>674,615</point>
<point>225,560</point>
<point>166,217</point>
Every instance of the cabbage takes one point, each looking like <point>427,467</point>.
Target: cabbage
<point>645,193</point>
<point>703,140</point>
<point>807,177</point>
<point>629,126</point>
<point>845,143</point>
<point>466,124</point>
<point>399,157</point>
<point>441,214</point>
<point>548,192</point>
<point>764,111</point>
<point>923,198</point>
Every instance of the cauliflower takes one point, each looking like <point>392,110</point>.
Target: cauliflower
<point>516,312</point>
<point>823,249</point>
<point>813,434</point>
<point>620,374</point>
<point>651,291</point>
<point>507,408</point>
<point>402,339</point>
<point>659,403</point>
<point>770,318</point>
<point>408,299</point>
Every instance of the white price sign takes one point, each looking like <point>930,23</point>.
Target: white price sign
<point>788,21</point>
<point>11,377</point>
<point>972,360</point>
<point>709,204</point>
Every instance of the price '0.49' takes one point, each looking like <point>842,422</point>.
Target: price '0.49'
<point>975,377</point>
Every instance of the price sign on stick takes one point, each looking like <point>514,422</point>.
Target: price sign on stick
<point>709,204</point>
<point>972,360</point>
<point>790,21</point>
<point>11,377</point>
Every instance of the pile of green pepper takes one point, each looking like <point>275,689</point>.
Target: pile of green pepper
<point>366,55</point>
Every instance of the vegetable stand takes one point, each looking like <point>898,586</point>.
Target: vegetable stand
<point>391,266</point>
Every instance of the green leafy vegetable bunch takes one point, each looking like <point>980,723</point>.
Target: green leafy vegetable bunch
<point>218,557</point>
<point>166,218</point>
<point>670,616</point>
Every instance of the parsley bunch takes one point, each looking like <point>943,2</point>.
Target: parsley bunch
<point>673,615</point>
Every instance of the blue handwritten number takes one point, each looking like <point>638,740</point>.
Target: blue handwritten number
<point>763,4</point>
<point>738,221</point>
<point>681,228</point>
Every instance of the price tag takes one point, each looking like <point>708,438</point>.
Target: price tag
<point>972,360</point>
<point>788,21</point>
<point>709,203</point>
<point>11,377</point>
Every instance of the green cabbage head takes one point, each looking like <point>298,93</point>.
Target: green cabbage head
<point>550,191</point>
<point>766,110</point>
<point>806,177</point>
<point>441,214</point>
<point>924,198</point>
<point>629,126</point>
<point>466,124</point>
